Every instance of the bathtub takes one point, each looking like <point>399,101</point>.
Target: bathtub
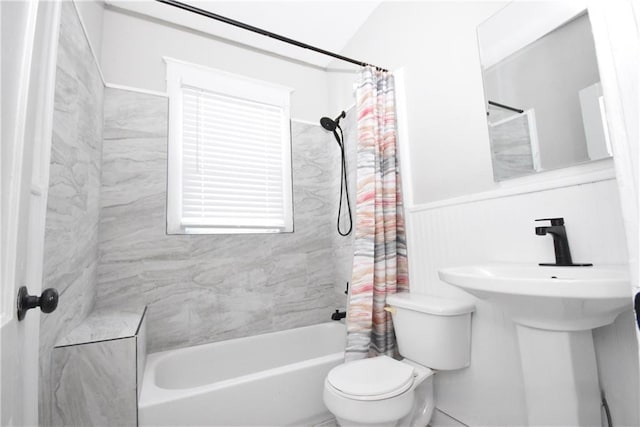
<point>274,379</point>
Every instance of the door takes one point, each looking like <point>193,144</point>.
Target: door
<point>29,37</point>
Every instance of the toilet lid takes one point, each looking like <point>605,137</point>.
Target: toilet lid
<point>378,376</point>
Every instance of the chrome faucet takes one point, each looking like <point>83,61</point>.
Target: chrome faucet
<point>560,243</point>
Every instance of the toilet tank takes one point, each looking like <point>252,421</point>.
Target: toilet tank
<point>432,331</point>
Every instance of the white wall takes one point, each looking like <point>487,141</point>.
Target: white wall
<point>92,13</point>
<point>133,47</point>
<point>435,43</point>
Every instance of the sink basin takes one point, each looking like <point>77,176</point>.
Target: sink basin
<point>552,298</point>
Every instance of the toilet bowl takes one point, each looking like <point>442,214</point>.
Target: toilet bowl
<point>378,392</point>
<point>384,392</point>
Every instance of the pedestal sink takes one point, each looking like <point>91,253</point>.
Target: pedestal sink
<point>552,298</point>
<point>555,310</point>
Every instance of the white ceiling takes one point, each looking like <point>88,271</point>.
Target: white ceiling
<point>325,24</point>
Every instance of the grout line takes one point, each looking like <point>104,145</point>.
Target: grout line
<point>93,342</point>
<point>144,312</point>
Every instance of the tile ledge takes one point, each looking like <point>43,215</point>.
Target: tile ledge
<point>104,324</point>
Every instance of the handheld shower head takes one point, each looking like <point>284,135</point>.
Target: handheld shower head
<point>330,124</point>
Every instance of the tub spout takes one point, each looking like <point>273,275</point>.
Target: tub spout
<point>338,315</point>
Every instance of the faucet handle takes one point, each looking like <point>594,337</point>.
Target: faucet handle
<point>554,221</point>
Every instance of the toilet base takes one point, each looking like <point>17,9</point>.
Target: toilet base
<point>423,406</point>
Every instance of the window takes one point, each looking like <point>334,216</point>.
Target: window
<point>229,168</point>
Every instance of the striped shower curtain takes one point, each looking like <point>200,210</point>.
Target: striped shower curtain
<point>380,252</point>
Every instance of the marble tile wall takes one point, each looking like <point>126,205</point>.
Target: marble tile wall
<point>90,391</point>
<point>71,236</point>
<point>204,288</point>
<point>96,370</point>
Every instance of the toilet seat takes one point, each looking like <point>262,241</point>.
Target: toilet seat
<point>376,392</point>
<point>377,378</point>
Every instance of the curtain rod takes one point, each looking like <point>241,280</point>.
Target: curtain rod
<point>506,107</point>
<point>260,31</point>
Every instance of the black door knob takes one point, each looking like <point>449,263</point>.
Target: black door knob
<point>47,301</point>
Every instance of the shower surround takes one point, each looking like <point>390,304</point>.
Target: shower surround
<point>106,247</point>
<point>204,288</point>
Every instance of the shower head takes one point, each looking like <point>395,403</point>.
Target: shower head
<point>330,124</point>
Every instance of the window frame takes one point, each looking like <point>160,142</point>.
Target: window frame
<point>181,73</point>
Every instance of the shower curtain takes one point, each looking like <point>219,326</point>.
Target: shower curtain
<point>380,253</point>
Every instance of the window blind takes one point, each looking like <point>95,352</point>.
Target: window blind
<point>233,171</point>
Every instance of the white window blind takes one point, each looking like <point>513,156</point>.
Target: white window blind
<point>231,156</point>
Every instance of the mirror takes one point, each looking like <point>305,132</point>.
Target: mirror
<point>542,88</point>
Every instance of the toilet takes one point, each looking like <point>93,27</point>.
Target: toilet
<point>433,334</point>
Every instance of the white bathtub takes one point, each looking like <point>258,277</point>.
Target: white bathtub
<point>274,379</point>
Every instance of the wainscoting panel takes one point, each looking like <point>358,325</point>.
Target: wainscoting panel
<point>490,391</point>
